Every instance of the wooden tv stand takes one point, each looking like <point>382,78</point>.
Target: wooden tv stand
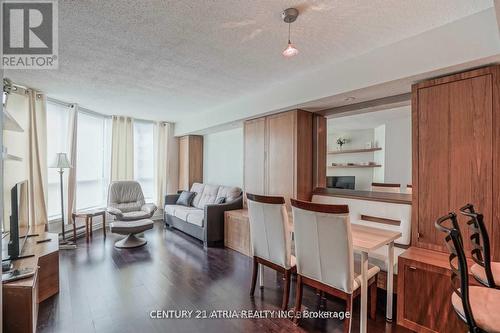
<point>21,297</point>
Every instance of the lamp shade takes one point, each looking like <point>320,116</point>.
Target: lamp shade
<point>290,51</point>
<point>62,161</point>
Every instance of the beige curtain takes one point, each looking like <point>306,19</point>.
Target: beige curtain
<point>71,182</point>
<point>166,159</point>
<point>122,149</point>
<point>37,157</point>
<point>173,161</point>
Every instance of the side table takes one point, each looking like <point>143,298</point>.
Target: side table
<point>89,215</point>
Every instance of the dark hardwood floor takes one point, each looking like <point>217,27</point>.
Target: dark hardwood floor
<point>108,290</point>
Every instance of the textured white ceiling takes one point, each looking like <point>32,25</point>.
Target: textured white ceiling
<point>167,59</point>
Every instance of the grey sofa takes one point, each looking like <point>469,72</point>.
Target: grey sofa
<point>204,219</point>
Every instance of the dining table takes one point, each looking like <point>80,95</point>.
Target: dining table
<point>365,240</point>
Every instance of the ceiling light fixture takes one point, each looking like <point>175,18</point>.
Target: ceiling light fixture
<point>290,15</point>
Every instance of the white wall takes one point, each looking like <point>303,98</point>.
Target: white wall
<point>397,167</point>
<point>17,144</point>
<point>357,140</point>
<point>223,158</point>
<point>379,155</point>
<point>387,129</point>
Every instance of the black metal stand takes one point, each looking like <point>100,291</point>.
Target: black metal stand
<point>63,243</point>
<point>61,171</point>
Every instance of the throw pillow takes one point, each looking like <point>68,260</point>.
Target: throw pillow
<point>220,200</point>
<point>186,198</point>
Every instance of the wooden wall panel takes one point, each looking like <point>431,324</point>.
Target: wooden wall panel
<point>190,161</point>
<point>195,159</point>
<point>495,229</point>
<point>254,156</point>
<point>184,163</point>
<point>304,160</point>
<point>281,154</point>
<point>471,148</point>
<point>319,151</point>
<point>433,163</point>
<point>456,152</point>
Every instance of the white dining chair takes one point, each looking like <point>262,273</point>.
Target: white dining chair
<point>270,233</point>
<point>324,253</point>
<point>409,188</point>
<point>386,187</point>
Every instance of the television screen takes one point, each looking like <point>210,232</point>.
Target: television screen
<point>346,182</point>
<point>19,218</point>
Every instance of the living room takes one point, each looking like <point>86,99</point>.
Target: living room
<point>250,166</point>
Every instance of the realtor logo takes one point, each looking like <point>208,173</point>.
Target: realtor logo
<point>29,34</point>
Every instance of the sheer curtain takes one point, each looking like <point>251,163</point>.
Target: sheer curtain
<point>61,138</point>
<point>144,164</point>
<point>93,159</point>
<point>166,161</point>
<point>72,153</point>
<point>37,157</point>
<point>122,149</point>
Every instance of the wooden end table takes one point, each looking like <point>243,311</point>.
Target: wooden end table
<point>89,215</point>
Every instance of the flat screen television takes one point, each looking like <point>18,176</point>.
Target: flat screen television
<point>346,182</point>
<point>19,219</point>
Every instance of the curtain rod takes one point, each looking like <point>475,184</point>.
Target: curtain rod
<point>91,112</point>
<point>19,89</point>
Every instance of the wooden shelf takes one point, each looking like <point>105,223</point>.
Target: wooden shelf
<point>10,124</point>
<point>351,151</point>
<point>354,166</point>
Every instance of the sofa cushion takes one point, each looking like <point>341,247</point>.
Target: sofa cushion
<point>127,207</point>
<point>186,198</point>
<point>198,188</point>
<point>137,215</point>
<point>188,214</point>
<point>183,211</point>
<point>196,217</point>
<point>208,196</point>
<point>220,200</point>
<point>229,192</point>
<point>130,227</point>
<point>170,209</point>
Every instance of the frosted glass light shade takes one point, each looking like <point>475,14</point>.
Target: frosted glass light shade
<point>290,51</point>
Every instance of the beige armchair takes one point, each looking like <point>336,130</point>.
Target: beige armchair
<point>133,214</point>
<point>126,201</point>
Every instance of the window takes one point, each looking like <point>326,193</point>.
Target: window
<point>93,160</point>
<point>144,157</point>
<point>58,118</point>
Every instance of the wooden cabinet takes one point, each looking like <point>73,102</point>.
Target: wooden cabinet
<point>20,298</point>
<point>279,155</point>
<point>190,161</point>
<point>456,148</point>
<point>281,148</point>
<point>254,156</point>
<point>237,231</point>
<point>424,292</point>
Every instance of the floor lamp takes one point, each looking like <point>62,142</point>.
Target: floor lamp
<point>62,163</point>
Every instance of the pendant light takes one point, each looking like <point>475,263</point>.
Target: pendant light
<point>290,15</point>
